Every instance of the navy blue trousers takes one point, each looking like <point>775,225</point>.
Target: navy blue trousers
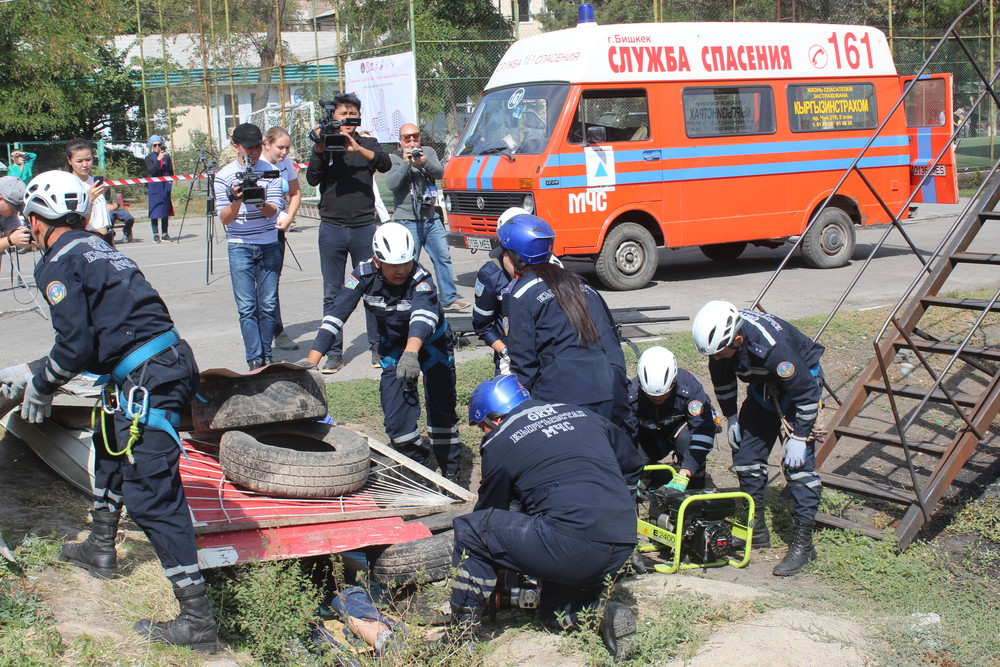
<point>573,571</point>
<point>336,242</point>
<point>150,486</point>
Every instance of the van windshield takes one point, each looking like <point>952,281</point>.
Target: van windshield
<point>513,121</point>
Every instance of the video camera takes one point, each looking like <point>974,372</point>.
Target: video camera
<point>251,192</point>
<point>329,129</point>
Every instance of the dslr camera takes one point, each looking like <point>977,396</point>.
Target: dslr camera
<point>328,132</point>
<point>251,191</point>
<point>416,153</point>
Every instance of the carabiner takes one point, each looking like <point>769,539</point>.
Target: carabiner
<point>109,399</point>
<point>130,410</point>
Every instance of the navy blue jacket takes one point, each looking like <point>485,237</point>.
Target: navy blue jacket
<point>688,404</point>
<point>486,315</point>
<point>410,310</point>
<point>776,354</point>
<point>566,463</point>
<point>102,307</point>
<point>545,352</point>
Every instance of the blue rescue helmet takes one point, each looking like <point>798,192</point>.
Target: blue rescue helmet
<point>527,235</point>
<point>496,397</point>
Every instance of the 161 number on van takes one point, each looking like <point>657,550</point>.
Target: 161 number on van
<point>592,200</point>
<point>851,51</point>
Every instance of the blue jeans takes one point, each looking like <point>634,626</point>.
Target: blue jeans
<point>335,243</point>
<point>431,233</point>
<point>254,270</point>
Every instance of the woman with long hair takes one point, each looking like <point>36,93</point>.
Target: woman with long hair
<point>80,163</point>
<point>277,145</point>
<point>561,337</point>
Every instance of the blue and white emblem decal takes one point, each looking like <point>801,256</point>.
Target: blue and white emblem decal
<point>786,369</point>
<point>351,282</point>
<point>55,292</point>
<point>479,288</point>
<point>694,408</point>
<point>423,287</point>
<point>506,327</point>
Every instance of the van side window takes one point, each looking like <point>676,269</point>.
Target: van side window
<point>925,105</point>
<point>610,116</point>
<point>816,107</point>
<point>714,111</point>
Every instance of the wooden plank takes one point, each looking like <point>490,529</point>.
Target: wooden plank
<point>846,524</point>
<point>976,257</point>
<point>915,392</point>
<point>889,493</point>
<point>984,353</point>
<point>890,439</point>
<point>964,304</point>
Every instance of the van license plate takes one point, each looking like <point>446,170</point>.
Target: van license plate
<point>473,243</point>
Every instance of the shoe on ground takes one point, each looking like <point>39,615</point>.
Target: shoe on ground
<point>165,236</point>
<point>458,304</point>
<point>255,364</point>
<point>376,359</point>
<point>283,341</point>
<point>305,363</point>
<point>333,364</point>
<point>156,238</point>
<point>617,630</point>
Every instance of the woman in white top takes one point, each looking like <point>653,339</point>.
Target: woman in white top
<point>277,144</point>
<point>80,158</point>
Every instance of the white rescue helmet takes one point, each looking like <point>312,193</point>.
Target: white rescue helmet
<point>715,326</point>
<point>393,244</point>
<point>57,196</point>
<point>657,371</point>
<point>510,213</point>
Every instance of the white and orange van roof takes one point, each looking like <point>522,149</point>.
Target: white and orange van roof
<point>592,53</point>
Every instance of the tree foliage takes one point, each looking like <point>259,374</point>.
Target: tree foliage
<point>59,76</point>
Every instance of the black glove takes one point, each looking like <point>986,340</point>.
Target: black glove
<point>408,367</point>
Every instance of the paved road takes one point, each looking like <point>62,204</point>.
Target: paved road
<point>206,313</point>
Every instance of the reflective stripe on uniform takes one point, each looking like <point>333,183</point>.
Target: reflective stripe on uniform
<point>525,287</point>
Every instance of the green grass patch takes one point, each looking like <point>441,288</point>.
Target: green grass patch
<point>897,591</point>
<point>26,637</point>
<point>980,517</point>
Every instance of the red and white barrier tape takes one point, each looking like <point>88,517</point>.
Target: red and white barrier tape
<point>163,179</point>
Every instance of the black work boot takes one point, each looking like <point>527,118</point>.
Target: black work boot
<point>800,551</point>
<point>96,554</point>
<point>761,538</point>
<point>194,626</point>
<point>617,630</point>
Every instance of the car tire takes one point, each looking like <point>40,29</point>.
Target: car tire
<point>830,241</point>
<point>296,460</point>
<point>628,257</point>
<point>418,562</point>
<point>259,400</point>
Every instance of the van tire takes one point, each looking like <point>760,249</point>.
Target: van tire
<point>311,460</point>
<point>418,562</point>
<point>829,243</point>
<point>723,252</point>
<point>628,257</point>
<point>259,399</point>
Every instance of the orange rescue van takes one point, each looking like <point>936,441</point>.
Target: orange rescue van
<point>629,137</point>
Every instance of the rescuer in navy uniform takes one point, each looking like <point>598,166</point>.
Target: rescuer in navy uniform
<point>414,337</point>
<point>568,469</point>
<point>561,337</point>
<point>784,382</point>
<point>109,320</point>
<point>671,413</point>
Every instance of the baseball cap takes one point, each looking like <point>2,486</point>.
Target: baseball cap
<point>247,135</point>
<point>12,191</point>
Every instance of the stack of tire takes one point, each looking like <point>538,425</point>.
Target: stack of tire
<point>273,443</point>
<point>271,440</point>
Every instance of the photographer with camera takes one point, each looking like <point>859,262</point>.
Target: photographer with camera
<point>158,163</point>
<point>252,188</point>
<point>343,165</point>
<point>414,195</point>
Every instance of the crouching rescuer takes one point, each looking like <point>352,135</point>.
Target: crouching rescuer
<point>110,321</point>
<point>784,386</point>
<point>566,468</point>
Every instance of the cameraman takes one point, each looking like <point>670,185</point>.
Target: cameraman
<point>252,230</point>
<point>414,194</point>
<point>346,209</point>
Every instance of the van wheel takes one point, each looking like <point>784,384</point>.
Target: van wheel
<point>830,241</point>
<point>723,252</point>
<point>628,258</point>
<point>417,562</point>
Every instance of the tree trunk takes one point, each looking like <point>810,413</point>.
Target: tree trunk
<point>268,51</point>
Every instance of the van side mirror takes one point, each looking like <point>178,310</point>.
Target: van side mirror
<point>597,134</point>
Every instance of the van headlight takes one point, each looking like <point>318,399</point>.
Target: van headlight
<point>528,203</point>
<point>447,202</point>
